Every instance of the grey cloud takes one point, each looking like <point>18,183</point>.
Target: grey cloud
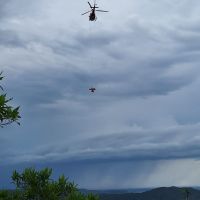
<point>3,5</point>
<point>9,38</point>
<point>144,64</point>
<point>128,82</point>
<point>174,143</point>
<point>96,40</point>
<point>18,8</point>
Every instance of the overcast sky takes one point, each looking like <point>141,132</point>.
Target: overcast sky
<point>141,128</point>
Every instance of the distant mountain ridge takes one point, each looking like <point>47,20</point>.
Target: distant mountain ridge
<point>162,193</point>
<point>114,191</point>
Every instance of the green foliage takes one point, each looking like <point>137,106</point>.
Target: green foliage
<point>8,114</point>
<point>92,197</point>
<point>76,196</point>
<point>37,185</point>
<point>4,195</point>
<point>10,195</point>
<point>186,192</point>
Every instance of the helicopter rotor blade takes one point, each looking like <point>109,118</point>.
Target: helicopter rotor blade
<point>102,10</point>
<point>85,12</point>
<point>89,4</point>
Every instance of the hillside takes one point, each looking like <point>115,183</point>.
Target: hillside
<point>163,193</point>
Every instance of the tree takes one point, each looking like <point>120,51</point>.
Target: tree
<point>38,185</point>
<point>186,193</point>
<point>8,114</point>
<point>4,195</point>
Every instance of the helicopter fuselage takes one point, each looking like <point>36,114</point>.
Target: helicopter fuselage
<point>92,16</point>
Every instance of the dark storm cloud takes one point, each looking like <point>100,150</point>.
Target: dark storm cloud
<point>57,86</point>
<point>115,81</point>
<point>123,78</point>
<point>126,75</point>
<point>144,64</point>
<point>154,146</point>
<point>174,143</point>
<point>72,85</point>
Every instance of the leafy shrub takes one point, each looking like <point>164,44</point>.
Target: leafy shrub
<point>8,114</point>
<point>38,185</point>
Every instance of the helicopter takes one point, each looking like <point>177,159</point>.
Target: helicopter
<point>92,16</point>
<point>92,89</point>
